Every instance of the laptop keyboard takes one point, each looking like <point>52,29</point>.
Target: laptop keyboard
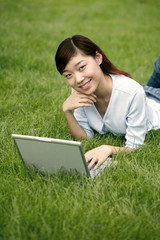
<point>108,163</point>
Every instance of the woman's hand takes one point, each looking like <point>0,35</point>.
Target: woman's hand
<point>98,155</point>
<point>76,100</point>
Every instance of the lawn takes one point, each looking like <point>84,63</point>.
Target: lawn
<point>124,201</point>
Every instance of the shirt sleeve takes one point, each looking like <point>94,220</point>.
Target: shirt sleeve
<point>136,120</point>
<point>81,118</point>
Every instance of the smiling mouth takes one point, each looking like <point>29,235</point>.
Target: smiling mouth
<point>86,85</point>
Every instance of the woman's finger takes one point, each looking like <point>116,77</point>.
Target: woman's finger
<point>90,98</point>
<point>97,165</point>
<point>85,100</point>
<point>92,162</point>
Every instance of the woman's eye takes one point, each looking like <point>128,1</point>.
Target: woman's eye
<point>68,76</point>
<point>82,67</point>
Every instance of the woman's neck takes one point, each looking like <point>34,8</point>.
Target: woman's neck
<point>104,89</point>
<point>103,95</point>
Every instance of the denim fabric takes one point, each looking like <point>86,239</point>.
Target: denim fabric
<point>154,80</point>
<point>152,89</point>
<point>152,92</point>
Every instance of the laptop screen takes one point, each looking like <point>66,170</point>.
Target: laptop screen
<point>50,155</point>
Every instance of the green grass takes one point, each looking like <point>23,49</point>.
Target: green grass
<point>124,201</point>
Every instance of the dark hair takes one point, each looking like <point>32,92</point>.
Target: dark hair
<point>69,48</point>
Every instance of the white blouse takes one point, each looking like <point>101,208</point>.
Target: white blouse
<point>129,113</point>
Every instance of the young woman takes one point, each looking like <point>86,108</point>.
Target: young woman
<point>104,99</point>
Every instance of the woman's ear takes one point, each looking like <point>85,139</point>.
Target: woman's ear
<point>99,58</point>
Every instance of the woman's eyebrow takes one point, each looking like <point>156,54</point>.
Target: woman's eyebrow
<point>79,63</point>
<point>65,70</point>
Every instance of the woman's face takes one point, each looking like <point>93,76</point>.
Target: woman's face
<point>83,73</point>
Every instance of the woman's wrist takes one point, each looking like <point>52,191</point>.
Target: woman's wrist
<point>114,150</point>
<point>65,109</point>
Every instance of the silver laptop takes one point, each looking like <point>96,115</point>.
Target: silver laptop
<point>51,155</point>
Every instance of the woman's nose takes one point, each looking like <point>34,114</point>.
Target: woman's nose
<point>79,77</point>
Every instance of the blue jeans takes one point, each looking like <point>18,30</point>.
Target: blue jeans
<point>152,89</point>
